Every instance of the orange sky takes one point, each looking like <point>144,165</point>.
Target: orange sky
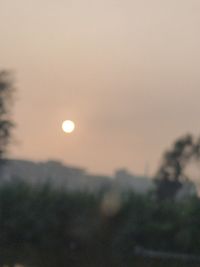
<point>127,72</point>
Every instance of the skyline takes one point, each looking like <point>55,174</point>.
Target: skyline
<point>126,72</point>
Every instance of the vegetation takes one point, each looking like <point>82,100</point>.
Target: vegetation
<point>171,175</point>
<point>6,124</point>
<point>42,226</point>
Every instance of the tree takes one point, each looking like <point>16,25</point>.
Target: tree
<point>6,124</point>
<point>171,176</point>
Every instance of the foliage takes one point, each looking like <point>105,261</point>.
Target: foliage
<point>171,175</point>
<point>42,226</point>
<point>6,124</point>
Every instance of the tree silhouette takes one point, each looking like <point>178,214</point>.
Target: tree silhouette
<point>171,175</point>
<point>6,124</point>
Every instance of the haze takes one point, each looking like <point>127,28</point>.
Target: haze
<point>127,72</point>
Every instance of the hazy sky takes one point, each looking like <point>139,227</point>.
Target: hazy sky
<point>126,71</point>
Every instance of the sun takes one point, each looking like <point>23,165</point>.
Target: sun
<point>68,126</point>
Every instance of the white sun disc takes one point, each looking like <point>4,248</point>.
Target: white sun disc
<point>68,126</point>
